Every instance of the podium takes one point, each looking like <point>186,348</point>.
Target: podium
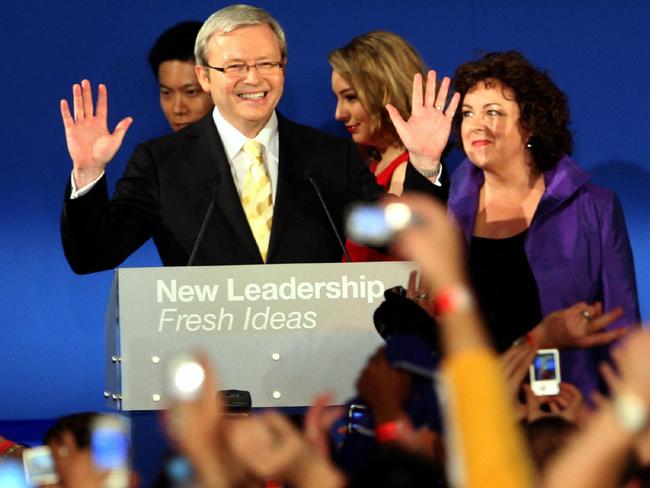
<point>284,332</point>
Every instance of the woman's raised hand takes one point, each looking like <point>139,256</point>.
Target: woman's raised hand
<point>427,130</point>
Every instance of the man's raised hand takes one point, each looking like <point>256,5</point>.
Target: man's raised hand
<point>90,144</point>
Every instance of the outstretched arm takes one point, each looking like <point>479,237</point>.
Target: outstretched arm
<point>489,450</point>
<point>90,144</point>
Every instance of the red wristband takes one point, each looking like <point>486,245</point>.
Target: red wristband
<point>5,446</point>
<point>273,483</point>
<point>452,299</point>
<point>388,431</point>
<point>529,339</point>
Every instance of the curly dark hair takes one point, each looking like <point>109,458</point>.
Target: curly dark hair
<point>543,106</point>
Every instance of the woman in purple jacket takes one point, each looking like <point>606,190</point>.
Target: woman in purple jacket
<point>541,237</point>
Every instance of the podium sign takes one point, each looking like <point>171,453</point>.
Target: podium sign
<point>284,332</point>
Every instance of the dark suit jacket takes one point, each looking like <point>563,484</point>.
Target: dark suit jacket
<point>168,185</point>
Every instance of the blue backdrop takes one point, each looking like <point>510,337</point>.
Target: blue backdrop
<point>51,325</point>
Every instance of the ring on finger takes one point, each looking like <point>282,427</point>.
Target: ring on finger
<point>421,296</point>
<point>587,314</point>
<point>439,107</point>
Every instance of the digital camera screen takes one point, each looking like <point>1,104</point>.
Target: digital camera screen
<point>368,224</point>
<point>545,367</point>
<point>41,464</point>
<point>110,448</point>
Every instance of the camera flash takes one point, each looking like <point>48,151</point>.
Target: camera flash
<point>398,215</point>
<point>188,378</point>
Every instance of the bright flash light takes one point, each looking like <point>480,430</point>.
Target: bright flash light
<point>398,215</point>
<point>188,378</point>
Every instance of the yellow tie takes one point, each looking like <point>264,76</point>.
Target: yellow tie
<point>257,197</point>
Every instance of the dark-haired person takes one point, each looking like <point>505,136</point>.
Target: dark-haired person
<point>542,237</point>
<point>171,58</point>
<point>70,441</point>
<point>370,71</point>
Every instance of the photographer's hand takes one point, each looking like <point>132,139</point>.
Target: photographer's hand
<point>383,388</point>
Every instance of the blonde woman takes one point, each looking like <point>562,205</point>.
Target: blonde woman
<point>371,71</point>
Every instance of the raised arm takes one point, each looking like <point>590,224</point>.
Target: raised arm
<point>489,450</point>
<point>90,144</point>
<point>427,130</point>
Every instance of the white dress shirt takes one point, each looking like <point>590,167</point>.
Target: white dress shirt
<point>233,144</point>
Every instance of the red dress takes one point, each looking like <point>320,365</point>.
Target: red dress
<point>358,252</point>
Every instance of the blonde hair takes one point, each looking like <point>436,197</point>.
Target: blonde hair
<point>379,66</point>
<point>231,18</point>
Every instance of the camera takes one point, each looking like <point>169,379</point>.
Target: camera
<point>185,377</point>
<point>545,372</point>
<point>39,466</point>
<point>109,443</point>
<point>359,420</point>
<point>376,225</point>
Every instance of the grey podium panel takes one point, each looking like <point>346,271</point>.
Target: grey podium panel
<point>282,332</point>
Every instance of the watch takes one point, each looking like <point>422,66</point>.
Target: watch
<point>429,173</point>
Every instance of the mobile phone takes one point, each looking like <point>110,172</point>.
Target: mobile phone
<point>185,377</point>
<point>545,372</point>
<point>376,225</point>
<point>359,419</point>
<point>110,447</point>
<point>38,464</point>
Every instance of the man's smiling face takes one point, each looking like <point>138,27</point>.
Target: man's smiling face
<point>245,100</point>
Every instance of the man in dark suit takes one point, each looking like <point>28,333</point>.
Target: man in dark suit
<point>169,182</point>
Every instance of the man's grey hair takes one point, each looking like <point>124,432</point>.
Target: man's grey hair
<point>231,18</point>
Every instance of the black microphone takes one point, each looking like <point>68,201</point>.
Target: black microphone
<point>329,216</point>
<point>215,181</point>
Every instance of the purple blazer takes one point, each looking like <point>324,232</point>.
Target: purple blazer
<point>577,247</point>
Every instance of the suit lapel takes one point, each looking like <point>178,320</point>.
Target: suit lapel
<point>290,178</point>
<point>205,150</point>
